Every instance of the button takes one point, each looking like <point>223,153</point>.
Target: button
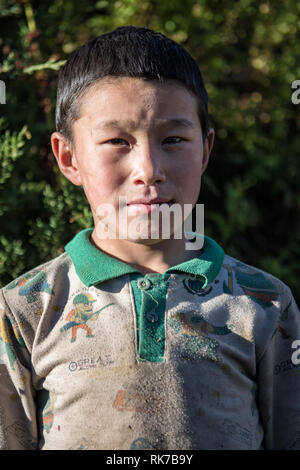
<point>152,317</point>
<point>144,284</point>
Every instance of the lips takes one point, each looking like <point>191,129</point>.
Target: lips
<point>149,201</point>
<point>146,205</point>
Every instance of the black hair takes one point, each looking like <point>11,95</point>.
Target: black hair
<point>128,51</point>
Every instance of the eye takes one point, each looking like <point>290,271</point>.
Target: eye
<point>117,141</point>
<point>174,140</point>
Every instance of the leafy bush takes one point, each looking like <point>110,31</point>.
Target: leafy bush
<point>248,53</point>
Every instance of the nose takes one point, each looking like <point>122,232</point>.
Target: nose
<point>147,164</point>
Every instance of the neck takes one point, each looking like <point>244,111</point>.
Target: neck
<point>148,256</point>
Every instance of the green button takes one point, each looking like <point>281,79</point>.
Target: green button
<point>152,317</point>
<point>144,284</point>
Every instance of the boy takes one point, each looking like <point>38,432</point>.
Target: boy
<point>132,341</point>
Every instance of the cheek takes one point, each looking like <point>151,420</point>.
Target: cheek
<point>191,187</point>
<point>100,187</point>
<point>101,182</point>
<point>188,177</point>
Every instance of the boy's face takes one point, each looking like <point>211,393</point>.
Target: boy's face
<point>138,139</point>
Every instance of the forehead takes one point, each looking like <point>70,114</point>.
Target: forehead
<point>136,100</point>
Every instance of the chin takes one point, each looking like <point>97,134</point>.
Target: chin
<point>145,241</point>
<point>148,238</point>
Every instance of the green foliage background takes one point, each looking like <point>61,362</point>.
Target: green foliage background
<point>249,54</point>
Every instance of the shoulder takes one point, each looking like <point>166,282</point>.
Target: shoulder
<point>260,303</point>
<point>259,285</point>
<point>24,300</point>
<point>30,289</point>
<point>39,277</point>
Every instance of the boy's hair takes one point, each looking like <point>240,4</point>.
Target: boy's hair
<point>128,51</point>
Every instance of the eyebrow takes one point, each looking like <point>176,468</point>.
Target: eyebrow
<point>179,122</point>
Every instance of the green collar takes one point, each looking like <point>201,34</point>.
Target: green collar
<point>94,266</point>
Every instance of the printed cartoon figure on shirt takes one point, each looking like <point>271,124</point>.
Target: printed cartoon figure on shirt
<point>8,330</point>
<point>279,329</point>
<point>254,284</point>
<point>81,314</point>
<point>195,328</point>
<point>30,284</point>
<point>48,415</point>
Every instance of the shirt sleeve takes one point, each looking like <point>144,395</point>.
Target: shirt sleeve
<point>279,381</point>
<point>18,426</point>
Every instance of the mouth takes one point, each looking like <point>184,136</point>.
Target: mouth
<point>145,207</point>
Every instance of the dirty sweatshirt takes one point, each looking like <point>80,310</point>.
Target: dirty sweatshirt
<point>96,355</point>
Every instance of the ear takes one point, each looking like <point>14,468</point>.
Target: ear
<point>207,148</point>
<point>65,158</point>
